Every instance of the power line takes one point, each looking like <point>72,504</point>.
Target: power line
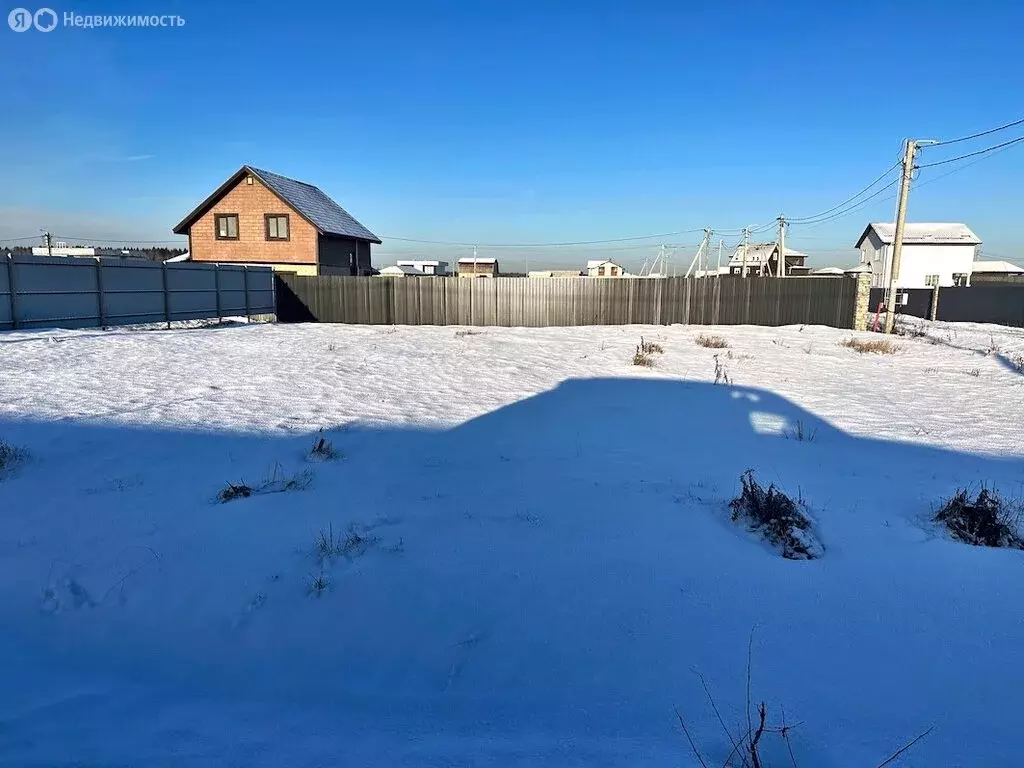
<point>18,239</point>
<point>960,168</point>
<point>541,245</point>
<point>972,154</point>
<point>807,219</point>
<point>856,207</point>
<point>978,135</point>
<point>121,240</point>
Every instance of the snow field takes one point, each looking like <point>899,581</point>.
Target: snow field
<point>546,550</point>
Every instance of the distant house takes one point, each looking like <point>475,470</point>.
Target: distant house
<point>933,254</point>
<point>555,273</point>
<point>399,270</point>
<point>60,248</point>
<point>996,268</point>
<point>762,260</point>
<point>996,273</point>
<point>711,272</point>
<point>260,218</point>
<point>425,267</point>
<point>474,266</point>
<point>605,268</point>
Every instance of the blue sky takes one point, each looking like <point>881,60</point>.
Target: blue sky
<point>521,122</point>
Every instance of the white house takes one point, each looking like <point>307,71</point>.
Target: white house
<point>933,254</point>
<point>425,267</point>
<point>997,268</point>
<point>63,249</point>
<point>605,268</point>
<point>399,271</point>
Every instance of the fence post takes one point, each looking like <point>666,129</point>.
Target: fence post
<point>862,298</point>
<point>99,291</point>
<point>216,288</point>
<point>167,298</point>
<point>245,280</point>
<point>13,290</point>
<point>934,313</point>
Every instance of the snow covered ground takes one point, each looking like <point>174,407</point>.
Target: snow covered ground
<point>534,554</point>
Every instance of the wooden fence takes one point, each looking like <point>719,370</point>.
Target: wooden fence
<point>534,302</point>
<point>69,292</point>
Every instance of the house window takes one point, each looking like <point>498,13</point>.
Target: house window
<point>600,271</point>
<point>615,271</point>
<point>960,279</point>
<point>226,226</point>
<point>931,280</point>
<point>276,226</point>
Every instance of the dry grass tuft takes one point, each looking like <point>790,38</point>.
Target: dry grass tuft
<point>276,482</point>
<point>651,347</point>
<point>876,346</point>
<point>779,520</point>
<point>10,456</point>
<point>323,449</point>
<point>986,521</point>
<point>233,491</point>
<point>711,342</point>
<point>318,584</point>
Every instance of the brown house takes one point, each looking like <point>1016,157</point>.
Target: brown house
<point>258,217</point>
<point>477,267</point>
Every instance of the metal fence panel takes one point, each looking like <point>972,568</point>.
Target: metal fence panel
<point>191,292</point>
<point>536,302</point>
<point>133,291</point>
<point>6,296</point>
<point>230,280</point>
<point>45,291</point>
<point>261,290</point>
<point>1001,304</point>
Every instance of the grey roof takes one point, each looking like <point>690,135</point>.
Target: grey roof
<point>325,214</point>
<point>996,266</point>
<point>759,253</point>
<point>919,233</point>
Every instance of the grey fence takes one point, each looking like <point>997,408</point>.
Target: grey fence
<point>1002,304</point>
<point>533,302</point>
<point>44,291</point>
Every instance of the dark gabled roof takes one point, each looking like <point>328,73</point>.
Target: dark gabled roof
<point>308,201</point>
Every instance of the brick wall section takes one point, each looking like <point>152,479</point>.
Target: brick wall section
<point>861,305</point>
<point>251,202</point>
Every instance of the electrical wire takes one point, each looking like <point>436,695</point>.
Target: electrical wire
<point>809,219</point>
<point>120,240</point>
<point>973,154</point>
<point>978,135</point>
<point>962,167</point>
<point>541,245</point>
<point>19,239</point>
<point>860,204</point>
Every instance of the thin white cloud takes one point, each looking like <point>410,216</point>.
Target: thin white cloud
<point>137,158</point>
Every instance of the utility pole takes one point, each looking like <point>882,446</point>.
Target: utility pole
<point>718,266</point>
<point>897,240</point>
<point>746,237</point>
<point>704,245</point>
<point>49,243</point>
<point>780,270</point>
